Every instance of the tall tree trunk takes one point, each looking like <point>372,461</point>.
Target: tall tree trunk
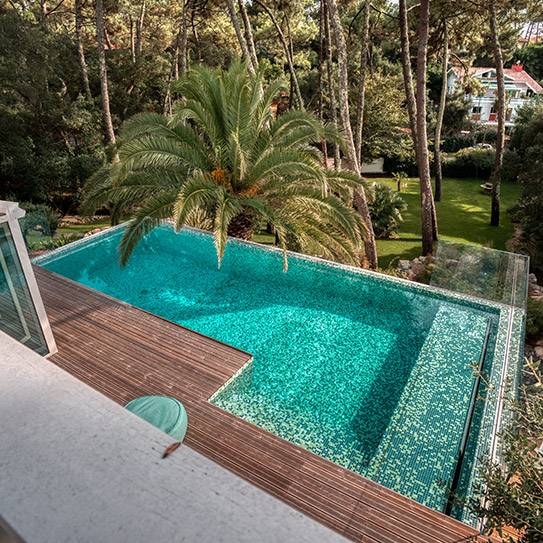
<point>440,112</point>
<point>321,83</point>
<point>81,51</point>
<point>184,40</point>
<point>195,33</point>
<point>106,39</point>
<point>498,61</point>
<point>407,74</point>
<point>423,158</point>
<point>110,134</point>
<point>343,85</point>
<point>167,105</point>
<point>290,61</point>
<point>364,38</point>
<point>343,98</point>
<point>43,13</point>
<point>132,40</point>
<point>139,30</point>
<point>243,44</point>
<point>248,34</point>
<point>331,85</point>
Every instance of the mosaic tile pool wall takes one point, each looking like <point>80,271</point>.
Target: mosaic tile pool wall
<point>373,373</point>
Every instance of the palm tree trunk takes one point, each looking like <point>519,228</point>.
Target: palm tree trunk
<point>441,110</point>
<point>241,226</point>
<point>81,51</point>
<point>498,61</point>
<point>423,158</point>
<point>243,44</point>
<point>290,61</point>
<point>343,97</point>
<point>362,82</point>
<point>248,34</point>
<point>331,86</point>
<point>110,134</point>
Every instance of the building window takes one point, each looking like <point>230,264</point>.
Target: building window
<point>476,113</point>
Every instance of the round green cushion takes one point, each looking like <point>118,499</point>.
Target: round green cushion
<point>165,413</point>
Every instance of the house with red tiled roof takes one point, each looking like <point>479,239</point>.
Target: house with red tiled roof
<point>520,88</point>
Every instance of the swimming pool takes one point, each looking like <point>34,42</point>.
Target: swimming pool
<point>373,373</point>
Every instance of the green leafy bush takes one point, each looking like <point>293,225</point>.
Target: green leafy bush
<point>406,162</point>
<point>386,210</point>
<point>456,142</point>
<point>41,243</point>
<point>39,217</point>
<point>393,272</point>
<point>511,496</point>
<point>534,320</point>
<point>527,144</point>
<point>511,165</point>
<point>470,163</point>
<point>65,239</point>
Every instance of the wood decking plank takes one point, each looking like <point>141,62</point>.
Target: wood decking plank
<point>125,352</point>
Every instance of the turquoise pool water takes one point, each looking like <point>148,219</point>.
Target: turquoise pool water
<point>371,373</point>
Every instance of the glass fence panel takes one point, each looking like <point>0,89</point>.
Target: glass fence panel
<point>487,273</point>
<point>18,316</point>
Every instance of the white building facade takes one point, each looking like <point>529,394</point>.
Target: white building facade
<point>520,88</point>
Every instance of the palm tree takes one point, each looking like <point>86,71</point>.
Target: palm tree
<point>223,158</point>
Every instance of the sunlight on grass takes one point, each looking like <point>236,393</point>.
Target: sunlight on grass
<point>463,215</point>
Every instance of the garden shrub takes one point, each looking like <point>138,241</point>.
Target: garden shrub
<point>527,143</point>
<point>510,496</point>
<point>456,142</point>
<point>405,163</point>
<point>511,165</point>
<point>534,320</point>
<point>393,272</point>
<point>35,216</point>
<point>470,163</point>
<point>386,210</point>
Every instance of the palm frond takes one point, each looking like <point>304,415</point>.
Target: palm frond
<point>222,154</point>
<point>197,193</point>
<point>148,217</point>
<point>226,208</point>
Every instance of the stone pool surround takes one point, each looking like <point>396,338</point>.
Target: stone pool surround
<point>508,352</point>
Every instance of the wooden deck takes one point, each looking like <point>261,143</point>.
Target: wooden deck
<point>124,353</point>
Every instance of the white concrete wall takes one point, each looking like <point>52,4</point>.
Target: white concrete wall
<point>376,166</point>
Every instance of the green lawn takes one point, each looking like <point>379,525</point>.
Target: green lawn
<point>83,228</point>
<point>462,215</point>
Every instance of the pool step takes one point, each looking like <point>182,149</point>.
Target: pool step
<point>419,446</point>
